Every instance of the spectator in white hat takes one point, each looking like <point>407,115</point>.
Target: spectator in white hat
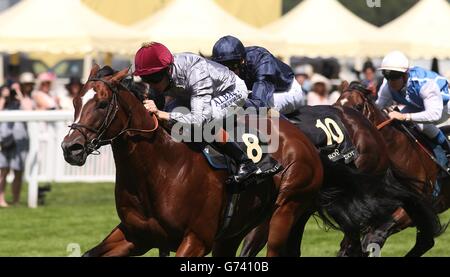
<point>24,90</point>
<point>320,93</point>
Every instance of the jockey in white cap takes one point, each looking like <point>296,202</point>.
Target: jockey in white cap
<point>424,94</point>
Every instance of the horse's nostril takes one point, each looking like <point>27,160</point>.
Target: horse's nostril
<point>74,154</point>
<point>75,147</point>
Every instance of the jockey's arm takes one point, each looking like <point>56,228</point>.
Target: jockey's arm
<point>384,96</point>
<point>201,111</point>
<point>433,103</point>
<point>263,88</point>
<point>262,91</point>
<point>200,85</point>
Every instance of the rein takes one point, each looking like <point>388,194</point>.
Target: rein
<point>384,124</point>
<point>93,145</point>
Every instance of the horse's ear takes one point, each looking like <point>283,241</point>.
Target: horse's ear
<point>120,75</point>
<point>95,68</point>
<point>343,87</point>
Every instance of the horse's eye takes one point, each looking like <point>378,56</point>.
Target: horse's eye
<point>102,105</point>
<point>359,107</point>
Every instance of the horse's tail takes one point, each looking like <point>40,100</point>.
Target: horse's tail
<point>353,202</point>
<point>419,207</point>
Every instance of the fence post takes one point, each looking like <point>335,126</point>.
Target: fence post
<point>33,185</point>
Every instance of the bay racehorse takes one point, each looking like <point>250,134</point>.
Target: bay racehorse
<point>373,181</point>
<point>410,162</point>
<point>166,194</point>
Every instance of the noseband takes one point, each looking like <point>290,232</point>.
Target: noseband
<point>93,145</point>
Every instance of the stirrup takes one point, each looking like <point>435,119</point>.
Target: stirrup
<point>247,177</point>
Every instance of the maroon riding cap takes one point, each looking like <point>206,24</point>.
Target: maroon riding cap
<point>151,58</point>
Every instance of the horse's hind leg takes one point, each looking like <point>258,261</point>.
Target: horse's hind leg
<point>423,244</point>
<point>116,245</point>
<point>294,245</point>
<point>281,224</point>
<point>255,240</point>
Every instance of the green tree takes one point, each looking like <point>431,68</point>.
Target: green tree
<point>388,11</point>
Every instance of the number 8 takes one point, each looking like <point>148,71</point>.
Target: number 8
<point>252,145</point>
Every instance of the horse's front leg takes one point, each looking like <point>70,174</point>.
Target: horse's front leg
<point>351,246</point>
<point>399,221</point>
<point>226,247</point>
<point>193,246</point>
<point>117,245</point>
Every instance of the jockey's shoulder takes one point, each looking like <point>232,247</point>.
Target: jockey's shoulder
<point>186,55</point>
<point>417,72</point>
<point>257,51</point>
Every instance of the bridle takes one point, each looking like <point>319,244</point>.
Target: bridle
<point>360,90</point>
<point>93,145</point>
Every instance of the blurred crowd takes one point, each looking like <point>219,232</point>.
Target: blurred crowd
<point>27,93</point>
<point>321,90</point>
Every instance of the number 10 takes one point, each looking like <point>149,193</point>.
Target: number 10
<point>332,135</point>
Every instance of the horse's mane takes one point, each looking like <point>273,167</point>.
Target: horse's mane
<point>358,86</point>
<point>137,89</point>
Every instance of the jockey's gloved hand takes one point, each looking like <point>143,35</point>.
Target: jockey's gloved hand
<point>398,116</point>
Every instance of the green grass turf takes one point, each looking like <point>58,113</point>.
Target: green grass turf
<point>85,214</point>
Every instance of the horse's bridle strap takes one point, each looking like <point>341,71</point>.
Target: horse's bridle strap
<point>384,123</point>
<point>113,107</point>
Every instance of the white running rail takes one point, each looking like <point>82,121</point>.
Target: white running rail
<point>45,161</point>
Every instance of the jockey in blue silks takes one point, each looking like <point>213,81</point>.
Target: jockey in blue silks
<point>271,81</point>
<point>423,93</point>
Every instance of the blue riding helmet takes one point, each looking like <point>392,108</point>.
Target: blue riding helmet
<point>228,48</point>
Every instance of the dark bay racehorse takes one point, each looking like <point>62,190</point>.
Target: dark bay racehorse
<point>373,181</point>
<point>167,195</point>
<point>410,162</point>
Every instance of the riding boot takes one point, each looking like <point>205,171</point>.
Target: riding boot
<point>442,140</point>
<point>446,146</point>
<point>245,167</point>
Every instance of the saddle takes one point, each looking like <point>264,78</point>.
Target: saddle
<point>323,126</point>
<point>252,143</point>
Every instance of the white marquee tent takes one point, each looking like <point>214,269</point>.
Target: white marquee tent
<point>322,28</point>
<point>62,26</point>
<point>421,32</point>
<point>195,25</point>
